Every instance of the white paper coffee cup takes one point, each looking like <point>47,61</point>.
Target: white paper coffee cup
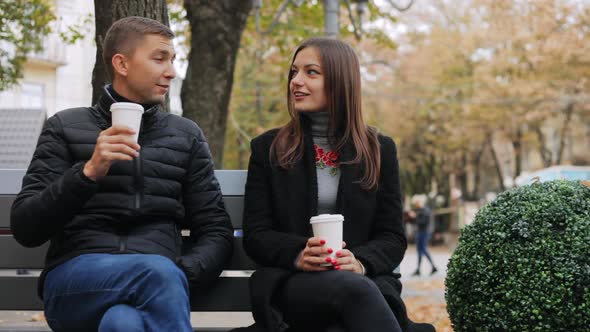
<point>329,228</point>
<point>127,114</point>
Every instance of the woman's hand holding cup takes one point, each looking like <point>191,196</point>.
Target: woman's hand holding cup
<point>314,255</point>
<point>346,261</point>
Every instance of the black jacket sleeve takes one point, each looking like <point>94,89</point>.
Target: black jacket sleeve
<point>211,233</point>
<point>387,245</point>
<point>53,191</point>
<point>262,241</point>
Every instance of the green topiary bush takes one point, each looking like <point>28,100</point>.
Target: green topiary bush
<point>524,263</point>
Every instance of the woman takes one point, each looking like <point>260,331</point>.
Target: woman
<point>325,160</point>
<point>422,216</point>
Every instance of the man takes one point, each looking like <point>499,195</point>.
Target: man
<point>113,209</point>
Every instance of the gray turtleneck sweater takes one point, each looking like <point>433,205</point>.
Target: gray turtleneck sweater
<point>328,171</point>
<point>328,174</point>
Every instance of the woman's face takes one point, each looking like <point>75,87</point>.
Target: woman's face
<point>307,82</point>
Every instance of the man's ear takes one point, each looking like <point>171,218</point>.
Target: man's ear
<point>119,62</point>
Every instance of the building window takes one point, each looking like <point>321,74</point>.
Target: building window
<point>32,95</point>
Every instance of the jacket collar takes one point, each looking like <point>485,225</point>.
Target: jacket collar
<point>104,105</point>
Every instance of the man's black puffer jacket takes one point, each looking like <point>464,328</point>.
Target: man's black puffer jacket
<point>139,207</point>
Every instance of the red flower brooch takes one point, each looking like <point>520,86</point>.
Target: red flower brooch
<point>325,159</point>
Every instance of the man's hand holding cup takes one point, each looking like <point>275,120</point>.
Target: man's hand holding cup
<point>119,142</point>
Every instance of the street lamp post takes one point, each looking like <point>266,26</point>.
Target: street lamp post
<point>331,14</point>
<point>331,18</point>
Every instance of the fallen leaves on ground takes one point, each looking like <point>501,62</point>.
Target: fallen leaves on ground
<point>425,285</point>
<point>424,310</point>
<point>40,317</point>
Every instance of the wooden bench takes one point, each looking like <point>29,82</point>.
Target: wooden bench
<point>19,292</point>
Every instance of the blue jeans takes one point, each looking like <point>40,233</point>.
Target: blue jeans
<point>422,247</point>
<point>103,292</point>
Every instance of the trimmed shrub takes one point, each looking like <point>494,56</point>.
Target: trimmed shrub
<point>524,263</point>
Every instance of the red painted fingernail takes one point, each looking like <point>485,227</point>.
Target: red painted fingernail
<point>328,259</point>
<point>330,250</point>
<point>339,253</point>
<point>336,267</point>
<point>322,241</point>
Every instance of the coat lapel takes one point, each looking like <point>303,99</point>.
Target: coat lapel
<point>349,176</point>
<point>302,188</point>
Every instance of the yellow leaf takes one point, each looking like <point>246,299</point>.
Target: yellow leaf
<point>40,317</point>
<point>586,183</point>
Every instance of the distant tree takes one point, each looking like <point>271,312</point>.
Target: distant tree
<point>23,25</point>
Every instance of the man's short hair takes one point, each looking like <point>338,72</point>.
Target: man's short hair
<point>124,35</point>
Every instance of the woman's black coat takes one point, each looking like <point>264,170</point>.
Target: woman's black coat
<point>279,203</point>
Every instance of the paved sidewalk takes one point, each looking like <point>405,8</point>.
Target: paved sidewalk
<point>424,296</point>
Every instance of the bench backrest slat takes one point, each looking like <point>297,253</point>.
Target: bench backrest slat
<point>15,256</point>
<point>233,204</point>
<point>5,204</point>
<point>11,181</point>
<point>232,184</point>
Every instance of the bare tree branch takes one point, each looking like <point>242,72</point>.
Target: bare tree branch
<point>401,8</point>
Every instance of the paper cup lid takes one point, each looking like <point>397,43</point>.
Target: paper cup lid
<point>326,218</point>
<point>128,106</point>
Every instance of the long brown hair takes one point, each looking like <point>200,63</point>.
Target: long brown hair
<point>342,86</point>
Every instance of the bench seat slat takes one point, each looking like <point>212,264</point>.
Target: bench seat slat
<point>226,294</point>
<point>20,293</point>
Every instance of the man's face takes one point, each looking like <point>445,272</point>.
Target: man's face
<point>149,71</point>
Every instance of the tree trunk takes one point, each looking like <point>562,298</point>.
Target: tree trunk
<point>431,168</point>
<point>216,29</point>
<point>106,13</point>
<point>463,174</point>
<point>477,170</point>
<point>497,165</point>
<point>569,110</point>
<point>517,146</point>
<point>544,152</point>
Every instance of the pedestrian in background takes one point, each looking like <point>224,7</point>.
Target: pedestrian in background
<point>422,216</point>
